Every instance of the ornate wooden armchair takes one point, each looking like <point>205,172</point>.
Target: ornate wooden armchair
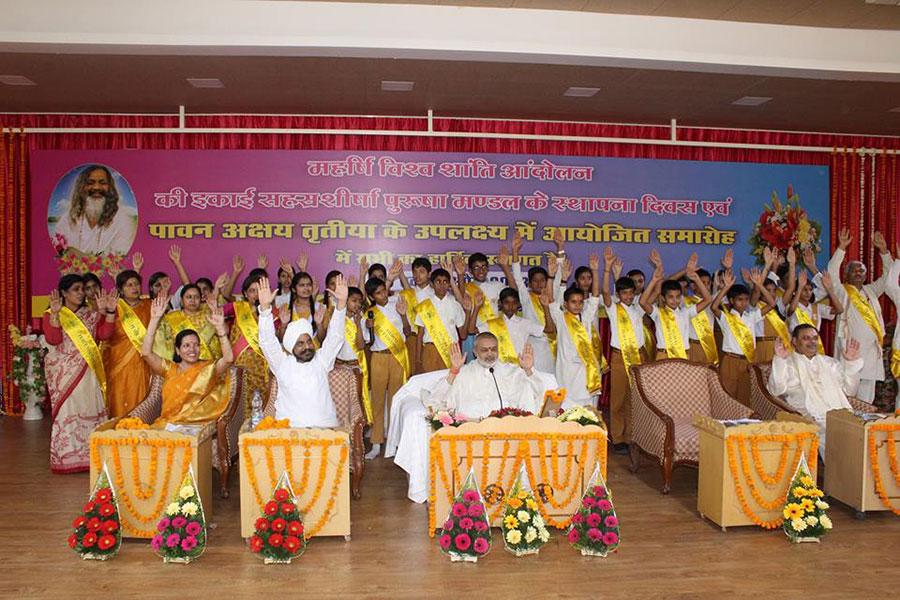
<point>767,405</point>
<point>228,424</point>
<point>353,419</point>
<point>665,396</point>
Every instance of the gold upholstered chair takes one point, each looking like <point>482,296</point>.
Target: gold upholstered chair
<point>665,396</point>
<point>767,405</point>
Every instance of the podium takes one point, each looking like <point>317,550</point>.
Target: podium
<point>318,464</point>
<point>851,474</point>
<point>746,468</point>
<point>558,457</point>
<point>147,466</point>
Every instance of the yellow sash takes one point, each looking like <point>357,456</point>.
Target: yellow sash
<point>585,351</point>
<point>500,329</point>
<point>178,321</point>
<point>350,332</point>
<point>132,325</point>
<point>440,337</point>
<point>249,327</point>
<point>409,296</point>
<point>539,311</point>
<point>631,352</point>
<point>778,325</point>
<point>895,363</point>
<point>85,343</point>
<point>671,334</point>
<point>807,319</point>
<point>486,312</point>
<point>704,328</point>
<point>742,334</point>
<point>598,350</point>
<point>865,311</point>
<point>388,333</point>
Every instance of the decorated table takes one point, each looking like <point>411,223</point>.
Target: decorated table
<point>148,465</point>
<point>559,458</point>
<point>318,464</point>
<point>861,466</point>
<point>746,468</point>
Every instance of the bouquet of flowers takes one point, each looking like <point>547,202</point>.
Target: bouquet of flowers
<point>466,534</point>
<point>595,526</point>
<point>278,538</point>
<point>182,530</point>
<point>98,534</point>
<point>446,418</point>
<point>582,415</point>
<point>71,260</point>
<point>510,412</point>
<point>804,510</point>
<point>783,226</point>
<point>524,531</point>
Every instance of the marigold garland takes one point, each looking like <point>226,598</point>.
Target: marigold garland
<point>131,424</point>
<point>271,422</point>
<point>891,446</point>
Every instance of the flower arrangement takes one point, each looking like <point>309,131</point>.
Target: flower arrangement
<point>595,526</point>
<point>524,530</point>
<point>71,260</point>
<point>466,534</point>
<point>181,531</point>
<point>27,351</point>
<point>783,226</point>
<point>98,534</point>
<point>272,423</point>
<point>580,414</point>
<point>804,510</point>
<point>510,412</point>
<point>131,424</point>
<point>446,418</point>
<point>278,536</point>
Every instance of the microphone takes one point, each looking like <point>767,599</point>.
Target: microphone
<point>491,369</point>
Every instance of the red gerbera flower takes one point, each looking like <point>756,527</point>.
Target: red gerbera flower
<point>281,495</point>
<point>88,507</point>
<point>271,508</point>
<point>103,495</point>
<point>93,524</point>
<point>110,526</point>
<point>262,524</point>
<point>107,510</point>
<point>256,544</point>
<point>292,544</point>
<point>295,528</point>
<point>279,524</point>
<point>275,540</point>
<point>89,539</point>
<point>78,522</point>
<point>288,508</point>
<point>73,540</point>
<point>106,542</point>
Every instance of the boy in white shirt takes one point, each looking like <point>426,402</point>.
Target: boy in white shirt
<point>508,325</point>
<point>441,317</point>
<point>803,308</point>
<point>413,294</point>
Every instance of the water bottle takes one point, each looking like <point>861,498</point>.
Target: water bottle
<point>256,411</point>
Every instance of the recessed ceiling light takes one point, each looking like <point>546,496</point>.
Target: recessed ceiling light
<point>581,92</point>
<point>15,80</point>
<point>751,100</point>
<point>205,82</point>
<point>397,86</point>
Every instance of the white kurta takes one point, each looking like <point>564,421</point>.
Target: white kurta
<point>474,394</point>
<point>114,238</point>
<point>520,331</point>
<point>816,385</point>
<point>304,396</point>
<point>544,360</point>
<point>570,370</point>
<point>852,325</point>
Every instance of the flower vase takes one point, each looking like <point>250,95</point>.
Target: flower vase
<point>178,559</point>
<point>276,561</point>
<point>457,557</point>
<point>95,556</point>
<point>800,540</point>
<point>592,552</point>
<point>522,551</point>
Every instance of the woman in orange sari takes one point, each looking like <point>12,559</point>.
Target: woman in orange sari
<point>128,376</point>
<point>194,390</point>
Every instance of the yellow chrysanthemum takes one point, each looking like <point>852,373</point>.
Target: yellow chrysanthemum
<point>807,481</point>
<point>793,511</point>
<point>815,493</point>
<point>510,522</point>
<point>800,492</point>
<point>807,504</point>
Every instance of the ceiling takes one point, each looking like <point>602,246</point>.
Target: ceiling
<point>305,85</point>
<point>856,14</point>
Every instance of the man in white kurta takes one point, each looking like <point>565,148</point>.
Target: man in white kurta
<point>476,389</point>
<point>304,395</point>
<point>812,383</point>
<point>852,324</point>
<point>892,288</point>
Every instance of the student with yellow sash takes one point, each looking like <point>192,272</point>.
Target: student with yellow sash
<point>303,305</point>
<point>244,338</point>
<point>128,376</point>
<point>892,288</point>
<point>627,349</point>
<point>441,322</point>
<point>672,318</point>
<point>862,319</point>
<point>804,310</point>
<point>412,296</point>
<point>703,348</point>
<point>511,330</point>
<point>194,390</point>
<point>385,333</point>
<point>192,315</point>
<point>76,377</point>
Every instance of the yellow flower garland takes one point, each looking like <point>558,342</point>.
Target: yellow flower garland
<point>271,423</point>
<point>131,423</point>
<point>892,456</point>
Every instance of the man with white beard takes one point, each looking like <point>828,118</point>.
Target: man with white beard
<point>487,384</point>
<point>95,223</point>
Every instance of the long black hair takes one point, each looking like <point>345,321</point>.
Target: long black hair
<point>326,299</point>
<point>312,301</point>
<point>180,338</point>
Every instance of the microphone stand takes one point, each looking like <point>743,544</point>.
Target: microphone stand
<point>497,387</point>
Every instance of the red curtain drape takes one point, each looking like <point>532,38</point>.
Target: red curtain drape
<point>864,191</point>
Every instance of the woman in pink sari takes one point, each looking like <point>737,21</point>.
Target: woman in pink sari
<point>74,370</point>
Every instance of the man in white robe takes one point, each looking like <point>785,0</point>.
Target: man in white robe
<point>304,395</point>
<point>852,324</point>
<point>487,384</point>
<point>812,383</point>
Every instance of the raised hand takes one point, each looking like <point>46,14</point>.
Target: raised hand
<point>768,257</point>
<point>727,279</point>
<point>851,351</point>
<point>609,257</point>
<point>809,260</point>
<point>266,294</point>
<point>107,300</point>
<point>478,301</point>
<point>746,275</point>
<point>517,243</point>
<point>216,318</point>
<point>566,269</point>
<point>655,258</point>
<point>284,263</point>
<point>175,254</point>
<point>457,360</point>
<point>780,350</point>
<point>503,256</point>
<point>137,261</point>
<point>844,238</point>
<point>690,269</point>
<point>56,302</point>
<point>827,281</point>
<point>262,261</point>
<point>401,305</point>
<point>802,280</point>
<point>459,265</point>
<point>221,280</point>
<point>237,263</point>
<point>353,281</point>
<point>159,306</point>
<point>756,276</point>
<point>728,259</point>
<point>559,240</point>
<point>594,262</point>
<point>526,360</point>
<point>552,265</point>
<point>303,260</point>
<point>284,313</point>
<point>395,270</point>
<point>340,292</point>
<point>617,267</point>
<point>546,296</point>
<point>466,302</point>
<point>879,242</point>
<point>792,256</point>
<point>447,265</point>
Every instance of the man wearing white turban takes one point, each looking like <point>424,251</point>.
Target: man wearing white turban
<point>304,396</point>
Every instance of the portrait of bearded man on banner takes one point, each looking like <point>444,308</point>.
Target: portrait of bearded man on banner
<point>93,218</point>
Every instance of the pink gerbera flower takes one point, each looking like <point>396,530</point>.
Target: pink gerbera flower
<point>163,524</point>
<point>599,491</point>
<point>594,520</point>
<point>604,505</point>
<point>595,534</point>
<point>573,536</point>
<point>466,523</point>
<point>476,510</point>
<point>470,496</point>
<point>189,543</point>
<point>445,541</point>
<point>610,538</point>
<point>156,542</point>
<point>588,502</point>
<point>173,540</point>
<point>481,546</point>
<point>577,518</point>
<point>611,521</point>
<point>481,526</point>
<point>460,510</point>
<point>463,541</point>
<point>448,524</point>
<point>193,528</point>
